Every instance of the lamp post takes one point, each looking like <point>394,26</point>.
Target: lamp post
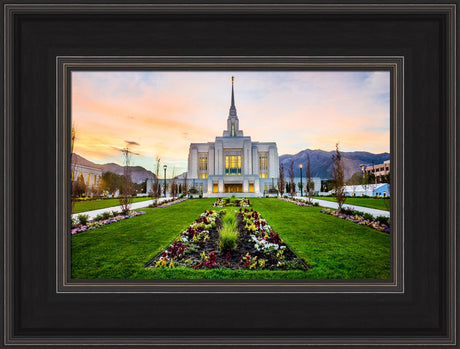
<point>301,185</point>
<point>164,189</point>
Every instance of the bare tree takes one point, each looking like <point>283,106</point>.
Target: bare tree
<point>337,174</point>
<point>365,183</point>
<point>126,198</point>
<point>185,185</point>
<point>74,178</point>
<point>372,183</point>
<point>156,189</point>
<point>291,179</point>
<point>281,181</point>
<point>308,178</point>
<point>173,187</point>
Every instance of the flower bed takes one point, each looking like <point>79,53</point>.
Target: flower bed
<point>191,240</point>
<point>258,247</point>
<point>232,202</point>
<point>359,218</point>
<point>219,203</point>
<point>93,224</point>
<point>270,250</point>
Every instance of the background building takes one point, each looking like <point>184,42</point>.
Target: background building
<point>377,170</point>
<point>233,163</point>
<point>91,176</point>
<point>380,189</point>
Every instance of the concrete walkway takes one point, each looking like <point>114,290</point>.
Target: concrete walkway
<point>323,203</point>
<point>334,205</point>
<point>134,206</point>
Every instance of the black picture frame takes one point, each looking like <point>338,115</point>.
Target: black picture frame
<point>41,308</point>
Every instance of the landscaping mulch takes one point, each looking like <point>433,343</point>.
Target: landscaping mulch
<point>244,256</point>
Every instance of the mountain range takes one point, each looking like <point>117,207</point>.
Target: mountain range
<point>320,163</point>
<point>138,173</point>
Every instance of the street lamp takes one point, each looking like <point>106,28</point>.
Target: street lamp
<point>301,185</point>
<point>164,189</point>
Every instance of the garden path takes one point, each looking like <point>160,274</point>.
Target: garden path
<point>134,205</point>
<point>331,204</point>
<point>323,203</point>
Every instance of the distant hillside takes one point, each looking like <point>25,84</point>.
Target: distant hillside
<point>321,161</point>
<point>138,173</point>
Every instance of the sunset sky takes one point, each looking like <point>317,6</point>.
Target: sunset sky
<point>161,113</point>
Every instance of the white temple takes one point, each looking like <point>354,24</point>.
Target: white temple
<point>233,163</point>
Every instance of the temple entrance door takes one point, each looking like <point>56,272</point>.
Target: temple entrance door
<point>233,188</point>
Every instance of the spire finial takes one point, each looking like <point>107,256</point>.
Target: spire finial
<point>232,106</point>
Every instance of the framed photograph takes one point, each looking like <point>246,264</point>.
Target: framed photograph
<point>211,174</point>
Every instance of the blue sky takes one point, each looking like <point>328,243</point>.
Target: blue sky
<point>165,111</point>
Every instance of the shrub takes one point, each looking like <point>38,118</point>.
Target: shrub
<point>228,234</point>
<point>227,240</point>
<point>106,215</point>
<point>383,220</point>
<point>346,210</point>
<point>98,217</point>
<point>115,213</point>
<point>83,219</point>
<point>229,220</point>
<point>368,216</point>
<point>190,196</point>
<point>200,196</point>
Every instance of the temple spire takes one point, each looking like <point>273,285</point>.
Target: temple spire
<point>233,129</point>
<point>232,107</point>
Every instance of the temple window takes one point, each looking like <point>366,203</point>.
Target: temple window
<point>233,165</point>
<point>263,166</point>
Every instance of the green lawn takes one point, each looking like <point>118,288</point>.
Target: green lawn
<point>120,250</point>
<point>379,204</point>
<point>333,247</point>
<point>83,206</point>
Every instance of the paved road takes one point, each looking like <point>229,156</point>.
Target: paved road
<point>134,206</point>
<point>331,204</point>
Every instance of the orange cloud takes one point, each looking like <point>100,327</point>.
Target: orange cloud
<point>165,111</point>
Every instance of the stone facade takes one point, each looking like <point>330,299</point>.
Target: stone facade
<point>91,175</point>
<point>233,163</point>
